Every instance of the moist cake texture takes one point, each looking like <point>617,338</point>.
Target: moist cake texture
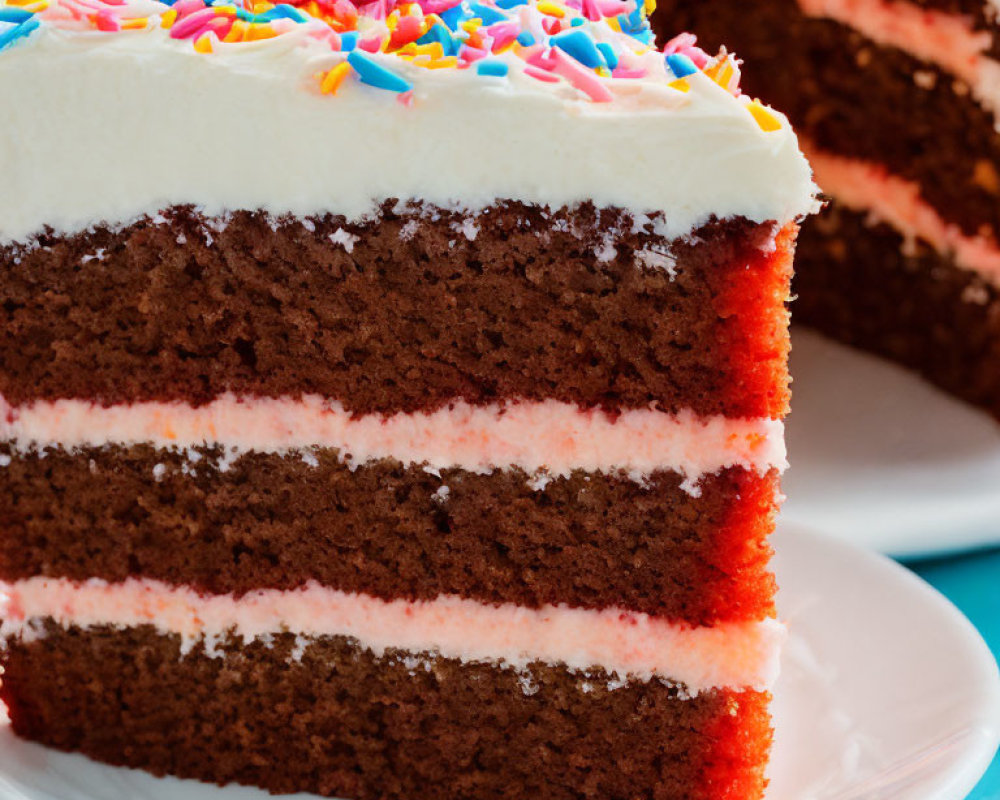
<point>391,399</point>
<point>897,105</point>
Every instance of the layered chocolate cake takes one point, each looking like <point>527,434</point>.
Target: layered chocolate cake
<point>392,396</point>
<point>897,104</point>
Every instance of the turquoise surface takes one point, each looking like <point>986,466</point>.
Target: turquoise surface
<point>972,582</point>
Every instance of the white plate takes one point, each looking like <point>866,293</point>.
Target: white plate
<point>882,459</point>
<point>887,693</point>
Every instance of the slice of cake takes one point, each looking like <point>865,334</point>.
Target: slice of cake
<point>391,397</point>
<point>897,103</point>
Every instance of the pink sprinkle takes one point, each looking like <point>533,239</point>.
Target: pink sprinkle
<point>591,11</point>
<point>185,7</point>
<point>627,72</point>
<point>581,77</point>
<point>685,45</point>
<point>541,75</point>
<point>406,98</point>
<point>612,8</point>
<point>106,22</point>
<point>220,26</point>
<point>470,54</point>
<point>371,45</point>
<point>551,25</point>
<point>192,23</point>
<point>437,6</point>
<point>543,59</point>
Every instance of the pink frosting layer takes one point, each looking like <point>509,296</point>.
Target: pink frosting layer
<point>895,201</point>
<point>947,40</point>
<point>743,655</point>
<point>546,435</point>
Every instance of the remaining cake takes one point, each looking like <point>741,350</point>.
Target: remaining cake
<point>897,106</point>
<point>391,396</point>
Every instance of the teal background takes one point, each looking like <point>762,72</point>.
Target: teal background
<point>972,582</point>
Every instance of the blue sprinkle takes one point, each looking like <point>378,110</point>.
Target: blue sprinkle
<point>496,69</point>
<point>576,23</point>
<point>17,15</point>
<point>453,16</point>
<point>506,5</point>
<point>439,33</point>
<point>349,40</point>
<point>525,39</point>
<point>681,65</point>
<point>488,15</point>
<point>376,75</point>
<point>8,37</point>
<point>610,57</point>
<point>644,36</point>
<point>289,12</point>
<point>580,45</point>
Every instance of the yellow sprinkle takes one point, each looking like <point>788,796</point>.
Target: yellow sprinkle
<point>237,32</point>
<point>613,23</point>
<point>257,32</point>
<point>550,8</point>
<point>167,20</point>
<point>681,85</point>
<point>440,63</point>
<point>767,121</point>
<point>471,25</point>
<point>203,44</point>
<point>335,77</point>
<point>135,24</point>
<point>262,7</point>
<point>604,72</point>
<point>650,7</point>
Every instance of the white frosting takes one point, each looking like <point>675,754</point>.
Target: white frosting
<point>947,40</point>
<point>731,655</point>
<point>547,435</point>
<point>104,128</point>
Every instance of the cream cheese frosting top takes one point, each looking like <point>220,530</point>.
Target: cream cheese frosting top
<point>119,108</point>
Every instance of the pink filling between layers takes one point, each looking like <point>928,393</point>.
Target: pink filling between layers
<point>549,435</point>
<point>737,655</point>
<point>863,186</point>
<point>947,40</point>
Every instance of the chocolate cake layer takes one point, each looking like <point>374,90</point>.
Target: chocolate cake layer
<point>416,311</point>
<point>852,97</point>
<point>341,723</point>
<point>942,320</point>
<point>270,521</point>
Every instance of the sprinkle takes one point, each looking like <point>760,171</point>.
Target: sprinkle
<point>15,15</point>
<point>610,56</point>
<point>584,80</point>
<point>767,121</point>
<point>8,37</point>
<point>680,65</point>
<point>580,45</point>
<point>376,75</point>
<point>540,74</point>
<point>506,5</point>
<point>681,85</point>
<point>525,39</point>
<point>551,9</point>
<point>332,80</point>
<point>494,69</point>
<point>488,15</point>
<point>348,41</point>
<point>203,44</point>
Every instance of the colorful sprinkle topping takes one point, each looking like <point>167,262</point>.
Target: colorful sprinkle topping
<point>597,47</point>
